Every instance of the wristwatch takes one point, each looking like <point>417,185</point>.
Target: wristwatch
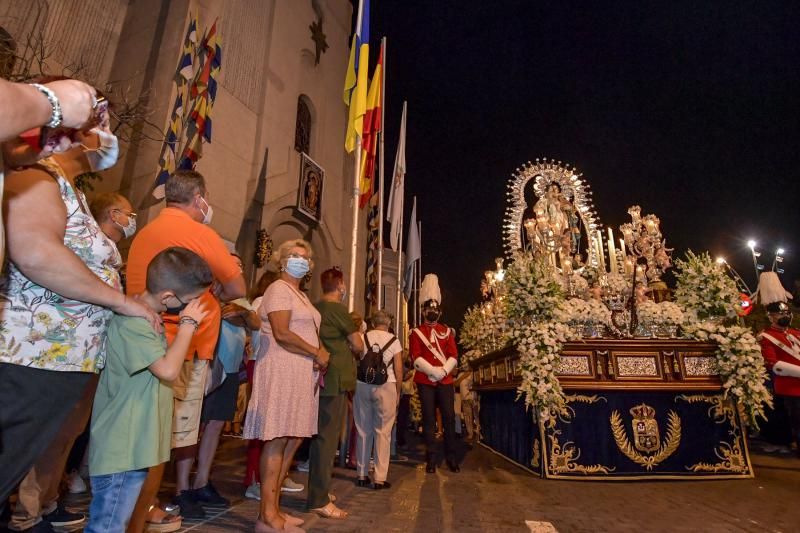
<point>55,116</point>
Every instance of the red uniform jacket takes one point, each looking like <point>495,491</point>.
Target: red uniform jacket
<point>774,352</point>
<point>439,336</point>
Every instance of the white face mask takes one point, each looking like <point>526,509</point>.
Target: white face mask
<point>128,230</point>
<point>208,214</point>
<point>106,155</point>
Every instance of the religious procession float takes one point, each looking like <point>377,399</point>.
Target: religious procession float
<point>588,366</point>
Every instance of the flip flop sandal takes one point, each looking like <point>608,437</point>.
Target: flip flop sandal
<point>330,511</point>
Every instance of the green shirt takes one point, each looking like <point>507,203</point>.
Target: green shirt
<point>333,331</point>
<point>132,414</point>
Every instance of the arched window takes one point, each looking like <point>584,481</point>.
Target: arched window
<point>302,131</point>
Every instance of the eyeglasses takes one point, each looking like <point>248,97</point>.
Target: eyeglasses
<point>129,214</point>
<point>297,256</point>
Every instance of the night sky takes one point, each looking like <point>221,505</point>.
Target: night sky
<point>687,109</point>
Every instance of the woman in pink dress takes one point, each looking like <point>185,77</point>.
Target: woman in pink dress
<point>285,399</point>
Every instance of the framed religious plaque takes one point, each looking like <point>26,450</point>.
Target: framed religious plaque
<point>309,194</point>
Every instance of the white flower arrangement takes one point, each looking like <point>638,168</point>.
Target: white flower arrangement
<point>534,295</point>
<point>579,284</point>
<point>647,311</point>
<point>578,310</point>
<point>670,313</point>
<point>485,329</point>
<point>739,364</point>
<point>704,290</point>
<point>539,345</point>
<point>617,284</point>
<point>531,288</point>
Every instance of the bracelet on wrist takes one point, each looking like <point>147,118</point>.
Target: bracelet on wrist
<point>56,115</point>
<point>189,320</point>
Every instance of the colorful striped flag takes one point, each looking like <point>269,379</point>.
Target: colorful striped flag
<point>369,144</point>
<point>204,91</point>
<point>183,76</point>
<point>355,82</point>
<point>371,291</point>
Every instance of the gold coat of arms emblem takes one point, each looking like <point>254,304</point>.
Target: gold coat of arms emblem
<point>646,437</point>
<point>647,449</point>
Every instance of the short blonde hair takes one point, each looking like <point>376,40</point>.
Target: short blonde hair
<point>280,255</point>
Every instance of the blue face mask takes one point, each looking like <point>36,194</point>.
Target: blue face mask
<point>297,267</point>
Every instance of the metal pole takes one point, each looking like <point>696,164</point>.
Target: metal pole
<point>351,289</point>
<point>381,303</point>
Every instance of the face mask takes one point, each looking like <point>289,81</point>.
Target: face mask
<point>106,155</point>
<point>784,321</point>
<point>207,214</point>
<point>177,310</point>
<point>297,267</point>
<point>128,230</point>
<point>431,316</point>
<point>343,292</point>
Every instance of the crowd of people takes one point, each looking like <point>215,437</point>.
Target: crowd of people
<point>128,367</point>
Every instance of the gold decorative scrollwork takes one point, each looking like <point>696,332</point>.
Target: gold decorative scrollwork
<point>731,459</point>
<point>564,457</point>
<point>537,454</point>
<point>568,413</point>
<point>666,449</point>
<point>720,410</point>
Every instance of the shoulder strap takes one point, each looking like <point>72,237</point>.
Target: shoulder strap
<point>386,347</point>
<point>433,349</point>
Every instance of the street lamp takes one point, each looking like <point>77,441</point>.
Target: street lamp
<point>778,259</point>
<point>752,245</point>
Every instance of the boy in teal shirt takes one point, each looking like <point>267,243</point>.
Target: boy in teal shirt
<point>126,437</point>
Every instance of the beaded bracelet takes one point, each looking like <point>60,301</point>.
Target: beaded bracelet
<point>55,106</point>
<point>189,320</point>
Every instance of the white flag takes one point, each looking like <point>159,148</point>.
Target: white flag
<point>413,252</point>
<point>395,212</point>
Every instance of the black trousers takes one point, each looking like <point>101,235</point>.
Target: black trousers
<point>792,404</point>
<point>443,397</point>
<point>402,419</point>
<point>33,405</point>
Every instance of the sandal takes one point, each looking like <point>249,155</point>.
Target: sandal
<point>330,511</point>
<point>165,524</point>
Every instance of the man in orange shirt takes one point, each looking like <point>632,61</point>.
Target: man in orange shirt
<point>184,222</point>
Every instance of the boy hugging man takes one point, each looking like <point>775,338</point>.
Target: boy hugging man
<point>131,427</point>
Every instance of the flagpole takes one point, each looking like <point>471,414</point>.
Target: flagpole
<point>380,176</point>
<point>419,273</point>
<point>399,289</point>
<point>351,289</point>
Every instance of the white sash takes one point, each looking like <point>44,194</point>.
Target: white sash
<point>793,350</point>
<point>435,350</point>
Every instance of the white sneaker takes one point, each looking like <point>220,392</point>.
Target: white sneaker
<point>76,484</point>
<point>290,486</point>
<point>253,492</point>
<point>303,467</point>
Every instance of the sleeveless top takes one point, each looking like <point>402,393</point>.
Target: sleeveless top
<point>42,329</point>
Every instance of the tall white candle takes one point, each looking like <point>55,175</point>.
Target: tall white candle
<point>612,252</point>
